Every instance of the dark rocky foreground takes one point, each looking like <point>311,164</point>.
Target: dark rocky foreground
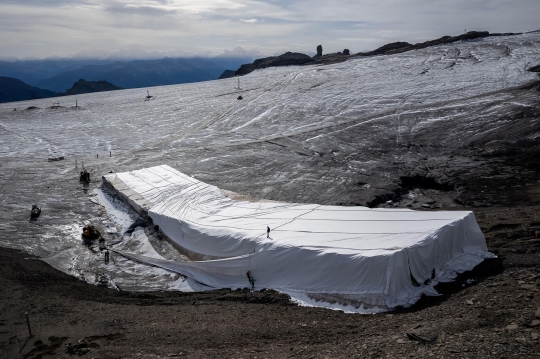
<point>483,314</point>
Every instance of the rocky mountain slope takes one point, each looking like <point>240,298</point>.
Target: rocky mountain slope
<point>12,89</point>
<point>332,58</point>
<point>287,59</point>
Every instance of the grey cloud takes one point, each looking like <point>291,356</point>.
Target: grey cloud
<point>119,8</point>
<point>38,27</point>
<point>48,3</point>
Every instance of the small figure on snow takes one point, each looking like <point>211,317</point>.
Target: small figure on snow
<point>267,232</point>
<point>103,247</point>
<point>251,279</point>
<point>85,176</point>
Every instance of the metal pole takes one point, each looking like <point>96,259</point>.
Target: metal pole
<point>28,323</point>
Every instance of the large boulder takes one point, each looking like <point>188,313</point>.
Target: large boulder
<point>319,51</point>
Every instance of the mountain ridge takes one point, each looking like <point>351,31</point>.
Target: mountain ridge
<point>144,73</point>
<point>57,74</point>
<point>12,89</point>
<point>289,58</point>
<point>82,86</point>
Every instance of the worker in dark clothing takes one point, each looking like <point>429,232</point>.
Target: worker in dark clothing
<point>251,280</point>
<point>103,247</point>
<point>85,176</point>
<point>267,232</point>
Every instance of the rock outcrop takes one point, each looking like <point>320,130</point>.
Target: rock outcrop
<point>83,86</point>
<point>399,47</point>
<point>393,46</point>
<point>226,74</point>
<point>319,51</point>
<point>287,59</point>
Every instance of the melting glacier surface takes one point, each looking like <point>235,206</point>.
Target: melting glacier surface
<point>272,144</point>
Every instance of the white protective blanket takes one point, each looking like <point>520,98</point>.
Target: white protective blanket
<point>368,253</point>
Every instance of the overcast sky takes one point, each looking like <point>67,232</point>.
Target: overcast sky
<point>43,28</point>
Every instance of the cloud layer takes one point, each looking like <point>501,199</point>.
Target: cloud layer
<point>42,28</point>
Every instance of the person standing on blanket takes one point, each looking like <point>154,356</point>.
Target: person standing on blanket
<point>251,280</point>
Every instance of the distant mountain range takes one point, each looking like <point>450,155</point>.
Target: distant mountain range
<point>33,71</point>
<point>140,73</point>
<point>59,74</point>
<point>12,89</point>
<point>30,79</point>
